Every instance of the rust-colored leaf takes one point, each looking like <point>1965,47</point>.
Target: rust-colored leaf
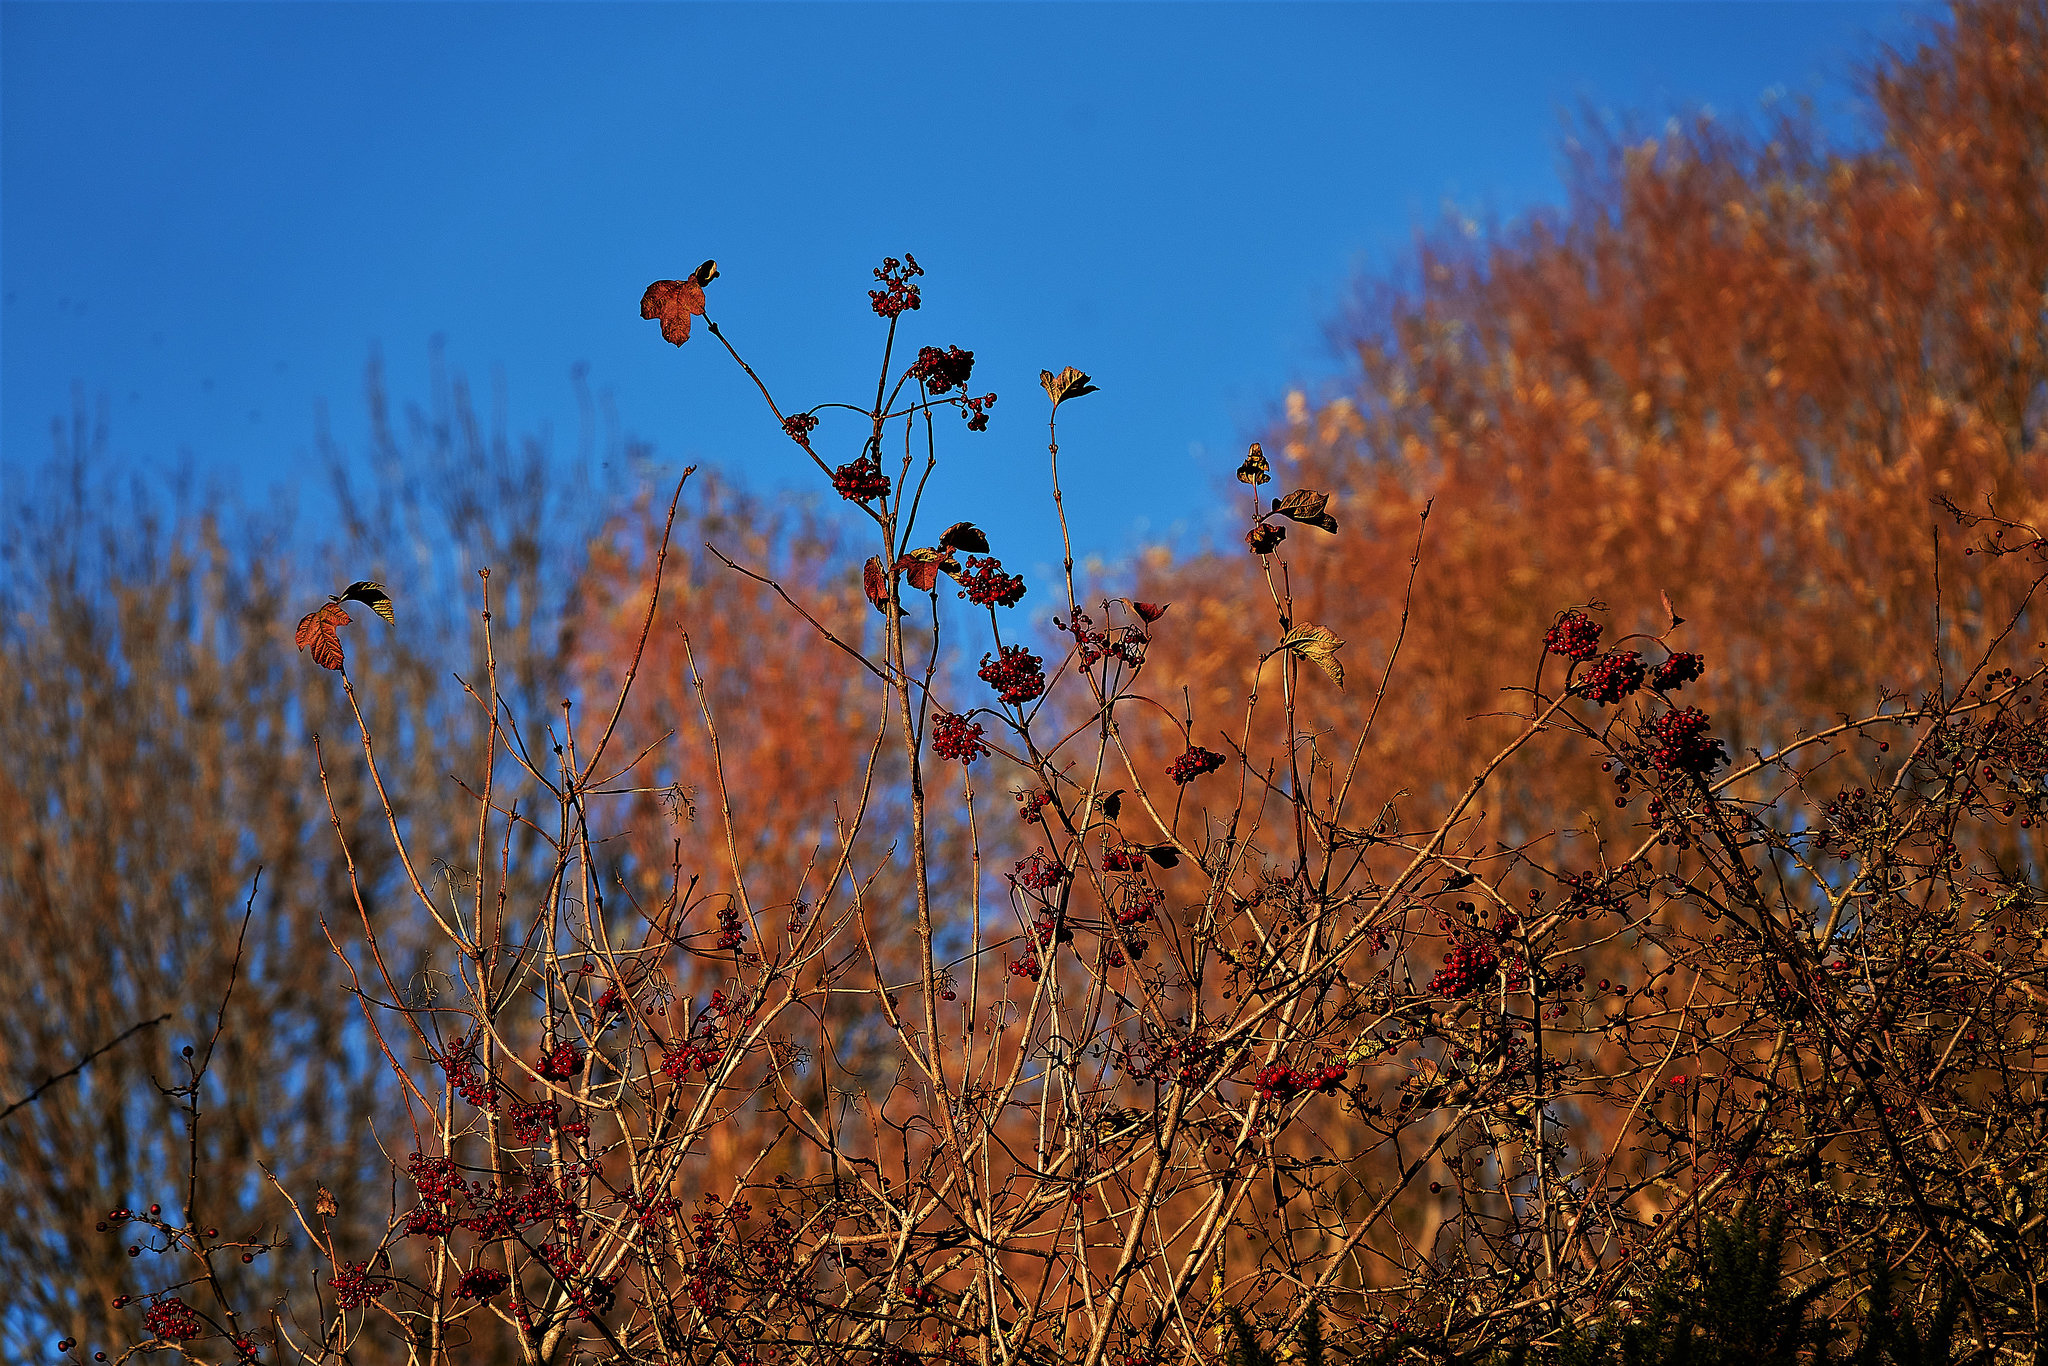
<point>674,302</point>
<point>874,581</point>
<point>1255,470</point>
<point>1306,506</point>
<point>317,633</point>
<point>922,566</point>
<point>965,536</point>
<point>1150,611</point>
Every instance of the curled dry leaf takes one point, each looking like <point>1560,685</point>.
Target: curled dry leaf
<point>874,581</point>
<point>675,302</point>
<point>1318,645</point>
<point>1068,383</point>
<point>317,633</point>
<point>1164,855</point>
<point>1150,611</point>
<point>1255,470</point>
<point>1306,506</point>
<point>965,536</point>
<point>371,594</point>
<point>704,274</point>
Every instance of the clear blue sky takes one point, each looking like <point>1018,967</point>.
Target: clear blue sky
<point>213,213</point>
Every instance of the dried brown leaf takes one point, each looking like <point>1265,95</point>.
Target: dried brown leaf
<point>1318,645</point>
<point>965,536</point>
<point>1307,506</point>
<point>1068,383</point>
<point>674,302</point>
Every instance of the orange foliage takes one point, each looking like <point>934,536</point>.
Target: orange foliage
<point>1740,370</point>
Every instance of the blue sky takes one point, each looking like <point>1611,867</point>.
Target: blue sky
<point>210,215</point>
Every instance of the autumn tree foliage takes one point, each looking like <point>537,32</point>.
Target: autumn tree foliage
<point>1742,369</point>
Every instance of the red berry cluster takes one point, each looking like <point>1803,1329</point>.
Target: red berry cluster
<point>560,1063</point>
<point>1137,903</point>
<point>1683,745</point>
<point>955,737</point>
<point>939,371</point>
<point>1278,1081</point>
<point>898,294</point>
<point>436,1178</point>
<point>1018,676</point>
<point>1592,893</point>
<point>677,1061</point>
<point>1574,635</point>
<point>1120,857</point>
<point>1030,803</point>
<point>730,935</point>
<point>861,480</point>
<point>465,1074</point>
<point>799,426</point>
<point>172,1320</point>
<point>1050,932</point>
<point>1194,764</point>
<point>977,411</point>
<point>533,1120</point>
<point>355,1287</point>
<point>481,1283</point>
<point>1026,967</point>
<point>1614,677</point>
<point>1126,643</point>
<point>1677,671</point>
<point>986,585</point>
<point>1849,814</point>
<point>1468,968</point>
<point>1265,537</point>
<point>1039,873</point>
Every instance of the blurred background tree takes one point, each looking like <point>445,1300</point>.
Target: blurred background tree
<point>157,731</point>
<point>1738,368</point>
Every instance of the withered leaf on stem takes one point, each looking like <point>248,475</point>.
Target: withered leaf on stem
<point>922,566</point>
<point>965,536</point>
<point>1318,645</point>
<point>1150,611</point>
<point>674,302</point>
<point>317,633</point>
<point>1306,506</point>
<point>1255,470</point>
<point>1068,383</point>
<point>371,594</point>
<point>874,581</point>
<point>1163,855</point>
